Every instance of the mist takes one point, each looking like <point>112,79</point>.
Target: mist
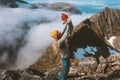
<point>24,34</point>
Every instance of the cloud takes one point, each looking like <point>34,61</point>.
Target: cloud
<point>16,25</point>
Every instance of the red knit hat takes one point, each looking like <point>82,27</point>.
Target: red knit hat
<point>64,16</point>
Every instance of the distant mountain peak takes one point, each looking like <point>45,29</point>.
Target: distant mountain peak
<point>60,6</point>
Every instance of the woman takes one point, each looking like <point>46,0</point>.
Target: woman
<point>61,46</point>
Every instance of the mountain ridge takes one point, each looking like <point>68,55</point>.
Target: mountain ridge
<point>107,19</point>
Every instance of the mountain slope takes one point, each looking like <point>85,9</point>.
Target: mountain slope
<point>91,32</point>
<point>95,31</point>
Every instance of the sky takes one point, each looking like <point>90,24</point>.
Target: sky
<point>89,6</point>
<point>81,2</point>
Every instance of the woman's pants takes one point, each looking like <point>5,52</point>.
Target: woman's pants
<point>65,69</point>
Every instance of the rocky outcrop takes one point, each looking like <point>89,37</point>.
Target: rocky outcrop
<point>108,69</point>
<point>87,69</point>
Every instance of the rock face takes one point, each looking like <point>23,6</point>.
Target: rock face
<point>108,22</point>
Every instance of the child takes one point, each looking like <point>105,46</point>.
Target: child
<point>68,25</point>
